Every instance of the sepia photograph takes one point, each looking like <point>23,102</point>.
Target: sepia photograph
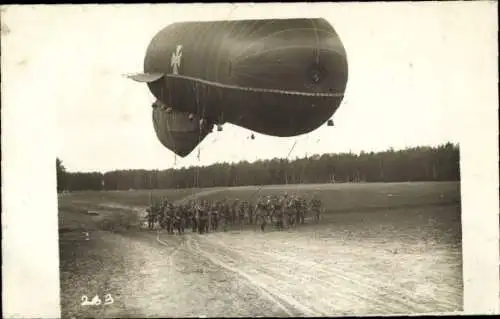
<point>252,160</point>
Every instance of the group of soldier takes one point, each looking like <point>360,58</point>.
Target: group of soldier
<point>205,216</point>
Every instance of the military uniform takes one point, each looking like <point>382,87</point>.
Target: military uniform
<point>316,207</point>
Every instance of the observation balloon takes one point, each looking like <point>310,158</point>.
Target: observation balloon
<point>279,77</point>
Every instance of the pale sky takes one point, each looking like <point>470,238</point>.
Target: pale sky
<point>409,68</point>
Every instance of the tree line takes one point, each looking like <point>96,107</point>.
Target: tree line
<point>441,163</point>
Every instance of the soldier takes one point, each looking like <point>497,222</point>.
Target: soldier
<point>234,211</point>
<point>208,226</point>
<point>261,205</point>
<point>171,219</point>
<point>169,222</point>
<point>194,216</point>
<point>241,212</point>
<point>166,219</point>
<point>150,218</point>
<point>202,219</point>
<point>184,215</point>
<point>156,216</point>
<point>296,207</point>
<point>291,212</point>
<point>206,219</point>
<point>303,210</point>
<point>189,215</point>
<point>175,222</point>
<point>215,216</point>
<point>259,210</point>
<point>179,222</point>
<point>279,209</point>
<point>162,218</point>
<point>263,220</point>
<point>279,218</point>
<point>199,217</point>
<point>316,207</point>
<point>268,202</point>
<point>250,213</point>
<point>224,213</point>
<point>224,221</point>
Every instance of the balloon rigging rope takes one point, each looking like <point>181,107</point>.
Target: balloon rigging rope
<point>250,89</point>
<point>287,157</point>
<point>197,175</point>
<point>303,167</point>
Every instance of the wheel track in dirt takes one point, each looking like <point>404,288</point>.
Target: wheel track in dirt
<point>190,253</point>
<point>173,251</point>
<point>408,302</point>
<point>396,305</point>
<point>289,305</point>
<point>282,270</point>
<point>261,274</point>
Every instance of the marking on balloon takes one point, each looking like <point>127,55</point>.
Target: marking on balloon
<point>175,61</point>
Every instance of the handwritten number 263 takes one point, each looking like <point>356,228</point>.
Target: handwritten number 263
<point>96,301</point>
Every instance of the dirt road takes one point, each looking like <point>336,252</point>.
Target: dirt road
<point>333,278</point>
<point>150,277</point>
<point>311,272</point>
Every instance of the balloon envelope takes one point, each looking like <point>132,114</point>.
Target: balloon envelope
<point>280,77</point>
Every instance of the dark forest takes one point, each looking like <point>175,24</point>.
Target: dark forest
<point>439,163</point>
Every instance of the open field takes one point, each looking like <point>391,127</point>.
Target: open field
<point>380,249</point>
<point>337,198</point>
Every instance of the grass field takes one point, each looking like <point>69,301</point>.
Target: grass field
<point>380,249</point>
<point>115,206</point>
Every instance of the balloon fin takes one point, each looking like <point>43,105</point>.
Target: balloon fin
<point>145,77</point>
